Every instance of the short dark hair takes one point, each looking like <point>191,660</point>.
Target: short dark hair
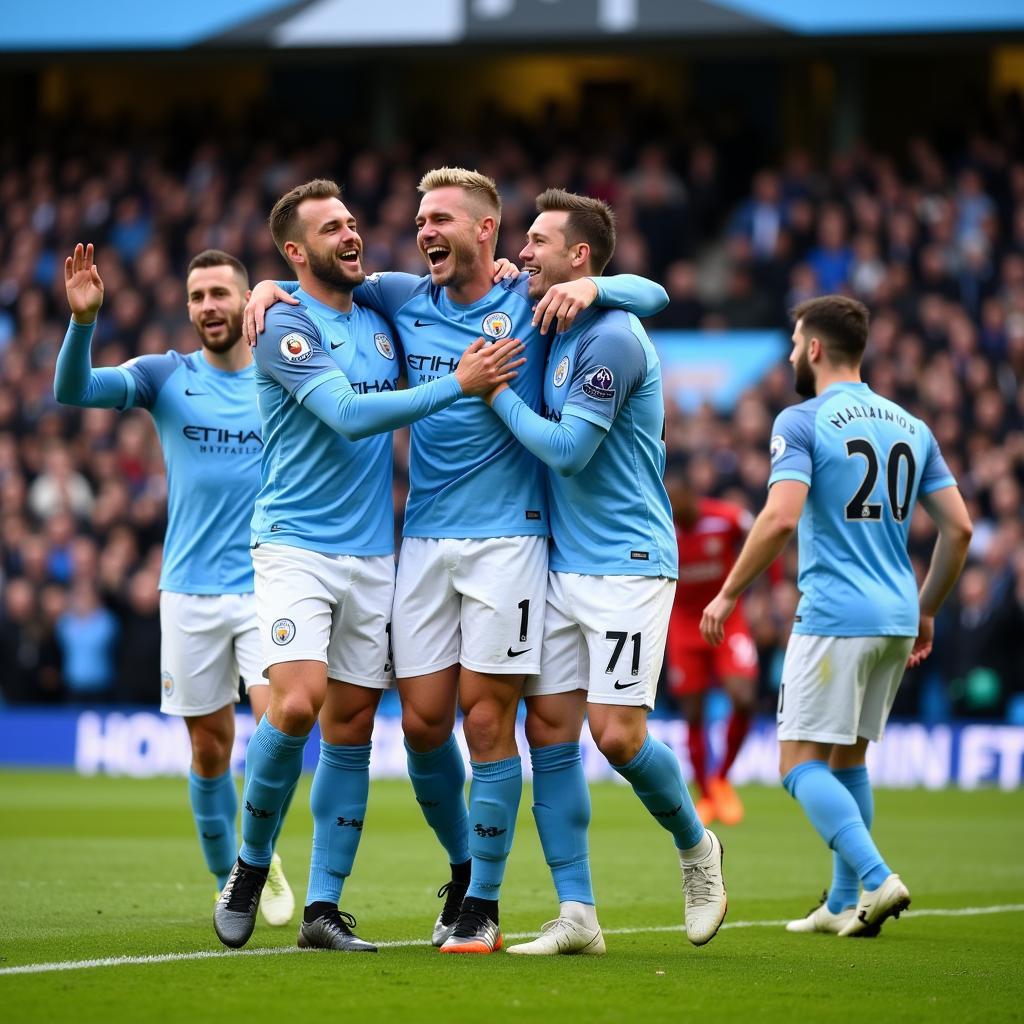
<point>284,216</point>
<point>590,220</point>
<point>219,258</point>
<point>839,322</point>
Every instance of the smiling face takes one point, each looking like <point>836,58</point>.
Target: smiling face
<point>450,231</point>
<point>216,298</point>
<point>331,246</point>
<point>546,257</point>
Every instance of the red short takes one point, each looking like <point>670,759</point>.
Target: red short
<point>694,666</point>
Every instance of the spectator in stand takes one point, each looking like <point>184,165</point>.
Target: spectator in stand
<point>87,632</point>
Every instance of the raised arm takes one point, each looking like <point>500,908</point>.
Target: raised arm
<point>75,381</point>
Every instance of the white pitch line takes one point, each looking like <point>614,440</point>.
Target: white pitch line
<point>218,954</point>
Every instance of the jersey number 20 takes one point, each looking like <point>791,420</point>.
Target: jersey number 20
<point>859,508</point>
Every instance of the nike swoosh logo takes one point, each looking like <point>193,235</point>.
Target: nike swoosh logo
<point>626,686</point>
<point>515,654</point>
<point>424,323</point>
<point>192,394</point>
<point>337,344</point>
<point>206,835</point>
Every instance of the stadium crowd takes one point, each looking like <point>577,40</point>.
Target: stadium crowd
<point>932,239</point>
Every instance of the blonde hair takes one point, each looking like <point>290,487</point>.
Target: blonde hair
<point>482,191</point>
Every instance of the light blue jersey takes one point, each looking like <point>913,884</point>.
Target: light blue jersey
<point>320,490</point>
<point>610,513</point>
<point>209,429</point>
<point>866,461</point>
<point>468,477</point>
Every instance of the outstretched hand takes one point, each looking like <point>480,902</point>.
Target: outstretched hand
<point>83,284</point>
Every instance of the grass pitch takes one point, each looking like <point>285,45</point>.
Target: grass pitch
<point>100,868</point>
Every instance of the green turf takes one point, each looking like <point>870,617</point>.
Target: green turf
<point>95,868</point>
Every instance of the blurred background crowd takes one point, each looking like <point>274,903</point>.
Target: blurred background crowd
<point>930,236</point>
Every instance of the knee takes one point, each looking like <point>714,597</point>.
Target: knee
<point>211,752</point>
<point>425,732</point>
<point>619,744</point>
<point>294,713</point>
<point>542,732</point>
<point>486,728</point>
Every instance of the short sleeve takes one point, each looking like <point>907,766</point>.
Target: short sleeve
<point>936,473</point>
<point>792,446</point>
<point>610,365</point>
<point>387,292</point>
<point>144,376</point>
<point>291,352</point>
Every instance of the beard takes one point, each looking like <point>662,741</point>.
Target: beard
<point>803,378</point>
<point>328,271</point>
<point>232,334</point>
<point>463,265</point>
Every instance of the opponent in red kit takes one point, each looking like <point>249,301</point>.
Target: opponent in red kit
<point>710,534</point>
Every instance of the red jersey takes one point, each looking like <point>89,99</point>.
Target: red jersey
<point>707,551</point>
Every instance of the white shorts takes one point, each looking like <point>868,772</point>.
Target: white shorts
<point>207,641</point>
<point>836,688</point>
<point>606,635</point>
<point>330,608</point>
<point>477,602</point>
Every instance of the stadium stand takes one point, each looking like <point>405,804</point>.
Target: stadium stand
<point>931,238</point>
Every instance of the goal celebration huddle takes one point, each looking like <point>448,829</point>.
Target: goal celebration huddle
<point>539,562</point>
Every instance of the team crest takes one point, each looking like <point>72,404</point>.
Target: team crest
<point>282,632</point>
<point>384,346</point>
<point>295,348</point>
<point>561,372</point>
<point>167,683</point>
<point>497,325</point>
<point>777,448</point>
<point>600,383</point>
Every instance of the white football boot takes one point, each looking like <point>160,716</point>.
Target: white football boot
<point>277,904</point>
<point>821,919</point>
<point>890,899</point>
<point>705,901</point>
<point>563,936</point>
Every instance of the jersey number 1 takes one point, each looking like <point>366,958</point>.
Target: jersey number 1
<point>859,508</point>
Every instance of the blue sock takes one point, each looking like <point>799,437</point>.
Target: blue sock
<point>284,814</point>
<point>273,763</point>
<point>439,784</point>
<point>657,780</point>
<point>214,807</point>
<point>832,810</point>
<point>845,883</point>
<point>338,801</point>
<point>494,797</point>
<point>561,808</point>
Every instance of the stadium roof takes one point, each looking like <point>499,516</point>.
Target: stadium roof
<point>55,25</point>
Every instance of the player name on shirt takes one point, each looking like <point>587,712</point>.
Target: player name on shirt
<point>840,418</point>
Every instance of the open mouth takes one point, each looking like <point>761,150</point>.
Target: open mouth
<point>349,256</point>
<point>213,325</point>
<point>437,254</point>
<point>532,271</point>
